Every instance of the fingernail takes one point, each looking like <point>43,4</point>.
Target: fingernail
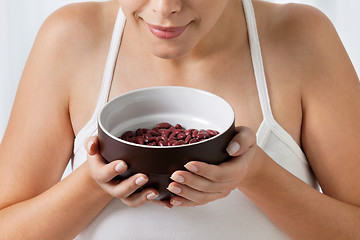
<point>233,148</point>
<point>90,143</point>
<point>175,203</point>
<point>120,167</point>
<point>177,178</point>
<point>165,206</point>
<point>152,196</point>
<point>191,168</point>
<point>140,181</point>
<point>174,189</point>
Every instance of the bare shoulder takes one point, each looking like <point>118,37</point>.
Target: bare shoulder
<point>71,37</point>
<point>297,31</point>
<point>301,34</point>
<point>77,27</point>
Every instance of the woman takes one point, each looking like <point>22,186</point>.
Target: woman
<point>308,135</point>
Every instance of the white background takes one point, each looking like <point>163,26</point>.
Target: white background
<point>20,21</point>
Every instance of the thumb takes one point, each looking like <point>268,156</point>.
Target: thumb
<point>242,141</point>
<point>91,145</point>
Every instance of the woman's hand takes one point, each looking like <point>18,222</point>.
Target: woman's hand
<point>205,182</point>
<point>103,173</point>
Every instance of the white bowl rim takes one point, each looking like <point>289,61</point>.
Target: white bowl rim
<point>164,87</point>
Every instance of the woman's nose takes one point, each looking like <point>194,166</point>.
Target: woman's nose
<point>166,7</point>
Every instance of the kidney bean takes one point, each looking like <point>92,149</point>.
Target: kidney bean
<point>187,139</point>
<point>193,140</point>
<point>178,131</point>
<point>153,139</point>
<point>127,134</point>
<point>171,142</point>
<point>172,139</point>
<point>139,132</point>
<point>147,135</point>
<point>202,135</point>
<point>154,133</point>
<point>164,125</point>
<point>178,143</point>
<point>173,135</point>
<point>189,131</point>
<point>164,139</point>
<point>128,139</point>
<point>140,140</point>
<point>164,134</point>
<point>212,132</point>
<point>180,136</point>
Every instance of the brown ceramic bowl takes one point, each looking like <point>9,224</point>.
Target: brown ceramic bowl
<point>145,108</point>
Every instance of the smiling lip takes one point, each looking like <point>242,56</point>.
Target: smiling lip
<point>166,32</point>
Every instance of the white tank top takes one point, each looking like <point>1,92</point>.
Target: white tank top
<point>234,217</point>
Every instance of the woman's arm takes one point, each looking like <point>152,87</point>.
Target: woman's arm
<point>61,212</point>
<point>38,144</point>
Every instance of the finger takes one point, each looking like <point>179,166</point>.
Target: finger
<point>193,195</point>
<point>216,173</point>
<point>91,145</point>
<point>165,204</point>
<point>100,169</point>
<point>182,202</point>
<point>126,187</point>
<point>242,141</point>
<point>197,182</point>
<point>105,172</point>
<point>229,172</point>
<point>141,198</point>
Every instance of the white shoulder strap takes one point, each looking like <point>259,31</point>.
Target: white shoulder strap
<point>111,61</point>
<point>257,60</point>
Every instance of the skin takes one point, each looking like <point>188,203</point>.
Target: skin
<point>315,98</point>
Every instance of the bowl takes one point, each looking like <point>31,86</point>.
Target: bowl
<point>145,108</point>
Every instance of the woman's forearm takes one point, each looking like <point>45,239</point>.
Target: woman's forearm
<point>61,212</point>
<point>298,209</point>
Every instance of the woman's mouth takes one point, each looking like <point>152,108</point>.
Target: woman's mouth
<point>166,32</point>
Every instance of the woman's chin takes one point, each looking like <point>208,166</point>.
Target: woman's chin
<point>169,52</point>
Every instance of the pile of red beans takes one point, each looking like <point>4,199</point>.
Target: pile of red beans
<point>164,134</point>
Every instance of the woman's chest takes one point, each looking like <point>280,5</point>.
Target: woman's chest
<point>238,87</point>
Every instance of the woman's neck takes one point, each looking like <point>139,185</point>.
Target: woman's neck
<point>228,33</point>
